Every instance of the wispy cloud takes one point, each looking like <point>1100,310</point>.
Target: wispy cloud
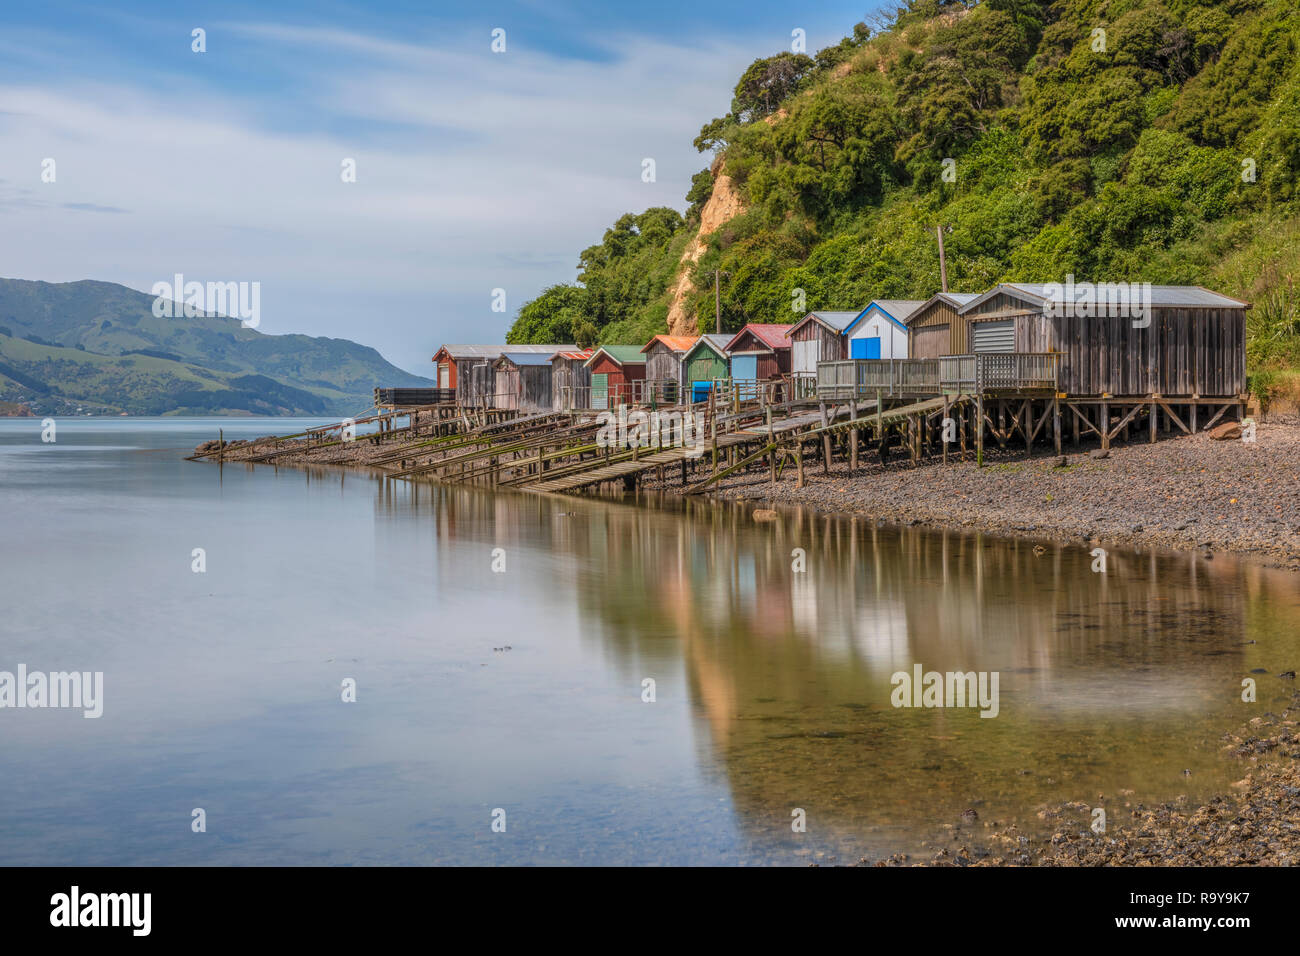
<point>475,171</point>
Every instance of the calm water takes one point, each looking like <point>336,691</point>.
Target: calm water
<point>222,689</point>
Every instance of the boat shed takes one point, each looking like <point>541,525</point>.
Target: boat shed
<point>935,329</point>
<point>818,337</point>
<point>614,371</point>
<point>468,369</point>
<point>759,352</point>
<point>706,361</point>
<point>663,362</point>
<point>523,381</point>
<point>1120,340</point>
<point>880,330</point>
<point>570,380</point>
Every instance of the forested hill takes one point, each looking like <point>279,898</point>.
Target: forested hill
<point>97,347</point>
<point>1126,140</point>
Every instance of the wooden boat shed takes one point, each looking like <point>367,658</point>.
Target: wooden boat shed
<point>1191,345</point>
<point>570,380</point>
<point>614,369</point>
<point>936,329</point>
<point>759,352</point>
<point>523,381</point>
<point>818,337</point>
<point>706,361</point>
<point>880,330</point>
<point>663,362</point>
<point>468,369</point>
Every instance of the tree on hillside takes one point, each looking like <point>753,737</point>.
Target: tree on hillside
<point>767,83</point>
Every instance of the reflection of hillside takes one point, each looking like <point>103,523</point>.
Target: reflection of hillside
<point>1121,680</point>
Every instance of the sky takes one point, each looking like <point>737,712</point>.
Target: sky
<point>475,170</point>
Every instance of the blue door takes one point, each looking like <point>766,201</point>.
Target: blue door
<point>865,348</point>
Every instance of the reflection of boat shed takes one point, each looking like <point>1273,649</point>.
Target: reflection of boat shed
<point>523,381</point>
<point>570,380</point>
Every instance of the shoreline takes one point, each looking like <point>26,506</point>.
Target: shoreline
<point>1254,826</point>
<point>1184,493</point>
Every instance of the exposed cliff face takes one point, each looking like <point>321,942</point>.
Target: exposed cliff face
<point>723,204</point>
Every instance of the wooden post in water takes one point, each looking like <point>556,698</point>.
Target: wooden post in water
<point>798,463</point>
<point>979,429</point>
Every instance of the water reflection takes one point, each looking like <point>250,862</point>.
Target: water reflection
<point>1112,685</point>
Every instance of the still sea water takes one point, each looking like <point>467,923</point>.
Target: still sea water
<point>522,690</point>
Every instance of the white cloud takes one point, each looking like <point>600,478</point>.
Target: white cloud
<point>475,171</point>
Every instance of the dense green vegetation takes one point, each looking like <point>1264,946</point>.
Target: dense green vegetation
<point>1113,139</point>
<point>99,344</point>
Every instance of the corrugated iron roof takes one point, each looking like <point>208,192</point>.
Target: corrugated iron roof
<point>897,311</point>
<point>954,299</point>
<point>770,334</point>
<point>678,343</point>
<point>836,321</point>
<point>526,358</point>
<point>622,354</point>
<point>715,341</point>
<point>1162,296</point>
<point>900,309</point>
<point>581,355</point>
<point>458,352</point>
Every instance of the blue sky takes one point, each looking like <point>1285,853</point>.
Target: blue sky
<point>475,170</point>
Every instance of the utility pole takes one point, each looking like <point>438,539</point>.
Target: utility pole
<point>943,263</point>
<point>717,299</point>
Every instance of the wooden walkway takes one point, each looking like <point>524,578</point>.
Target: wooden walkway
<point>622,464</point>
<point>877,420</point>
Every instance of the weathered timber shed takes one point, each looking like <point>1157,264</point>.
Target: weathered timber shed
<point>523,381</point>
<point>614,370</point>
<point>1124,341</point>
<point>468,369</point>
<point>759,352</point>
<point>880,330</point>
<point>663,362</point>
<point>570,380</point>
<point>707,360</point>
<point>818,337</point>
<point>936,329</point>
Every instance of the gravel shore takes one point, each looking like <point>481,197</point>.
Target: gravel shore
<point>1184,492</point>
<point>1258,824</point>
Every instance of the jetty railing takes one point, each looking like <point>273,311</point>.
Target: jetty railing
<point>405,397</point>
<point>959,374</point>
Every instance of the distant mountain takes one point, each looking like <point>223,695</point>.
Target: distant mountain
<point>99,346</point>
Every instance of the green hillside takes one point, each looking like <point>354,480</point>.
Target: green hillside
<point>1127,140</point>
<point>99,344</point>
